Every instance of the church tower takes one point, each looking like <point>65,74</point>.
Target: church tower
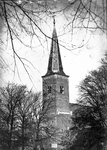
<point>56,86</point>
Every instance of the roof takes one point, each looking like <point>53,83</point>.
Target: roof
<point>55,63</point>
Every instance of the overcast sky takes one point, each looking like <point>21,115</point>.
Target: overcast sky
<point>77,62</point>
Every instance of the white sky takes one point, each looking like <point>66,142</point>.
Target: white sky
<point>76,63</point>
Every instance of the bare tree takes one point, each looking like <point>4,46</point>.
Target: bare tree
<point>43,124</point>
<point>25,120</point>
<point>27,17</point>
<point>10,99</point>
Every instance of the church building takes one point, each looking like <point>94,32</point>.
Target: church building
<point>56,87</point>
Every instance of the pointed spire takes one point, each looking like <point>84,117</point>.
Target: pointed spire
<point>54,21</point>
<point>55,62</point>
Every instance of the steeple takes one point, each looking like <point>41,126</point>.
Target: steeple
<point>55,62</point>
<point>56,92</point>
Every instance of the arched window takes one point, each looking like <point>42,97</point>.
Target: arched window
<point>49,89</point>
<point>62,89</point>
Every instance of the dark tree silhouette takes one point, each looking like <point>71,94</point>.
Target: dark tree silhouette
<point>11,97</point>
<point>43,127</point>
<point>25,120</point>
<point>89,120</point>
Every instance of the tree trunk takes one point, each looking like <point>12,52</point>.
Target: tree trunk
<point>23,147</point>
<point>10,133</point>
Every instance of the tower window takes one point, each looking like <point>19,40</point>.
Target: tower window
<point>62,89</point>
<point>49,89</point>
